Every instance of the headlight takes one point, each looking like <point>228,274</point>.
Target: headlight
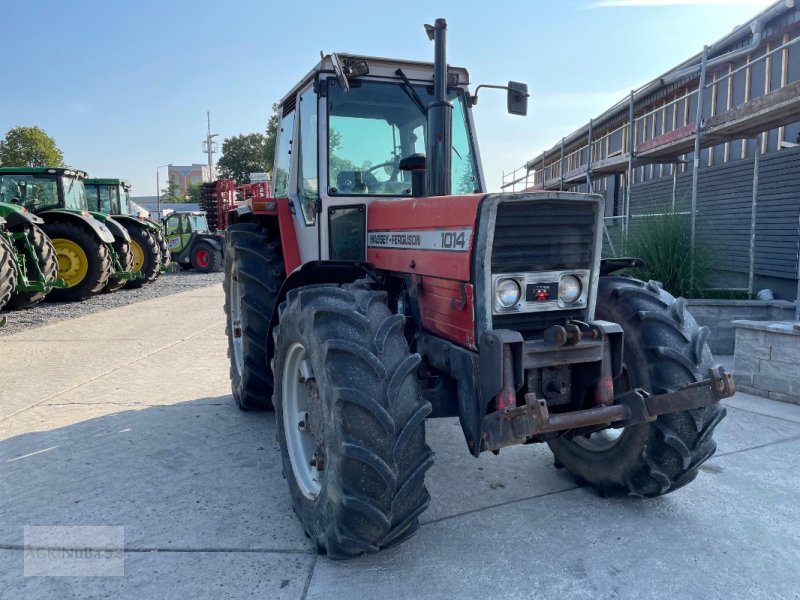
<point>569,289</point>
<point>507,292</point>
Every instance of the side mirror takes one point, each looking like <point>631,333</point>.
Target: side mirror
<point>517,98</point>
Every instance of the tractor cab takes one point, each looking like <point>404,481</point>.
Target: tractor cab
<point>93,250</point>
<point>191,242</point>
<point>360,132</point>
<point>111,196</point>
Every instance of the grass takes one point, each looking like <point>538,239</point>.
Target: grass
<point>664,244</point>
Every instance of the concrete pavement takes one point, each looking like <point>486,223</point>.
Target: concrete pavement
<point>146,436</point>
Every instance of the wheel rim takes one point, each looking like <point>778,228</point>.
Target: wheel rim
<point>202,257</point>
<point>605,439</point>
<point>236,322</point>
<point>296,399</point>
<point>600,441</point>
<point>138,255</point>
<point>73,264</point>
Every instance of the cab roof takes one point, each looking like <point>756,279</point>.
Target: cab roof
<point>415,70</point>
<point>44,171</point>
<point>107,181</point>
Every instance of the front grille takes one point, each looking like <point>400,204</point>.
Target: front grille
<point>543,236</point>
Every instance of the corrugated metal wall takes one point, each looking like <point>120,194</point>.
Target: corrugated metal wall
<point>725,195</point>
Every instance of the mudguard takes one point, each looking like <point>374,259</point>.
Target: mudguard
<point>217,244</point>
<point>82,218</point>
<point>117,230</point>
<point>16,215</point>
<point>143,223</point>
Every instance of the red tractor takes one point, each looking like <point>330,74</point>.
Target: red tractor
<point>380,285</point>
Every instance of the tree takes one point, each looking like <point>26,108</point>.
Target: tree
<point>171,194</point>
<point>193,192</point>
<point>29,147</point>
<point>242,155</point>
<point>272,136</point>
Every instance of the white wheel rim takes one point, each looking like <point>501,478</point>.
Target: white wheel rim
<point>295,399</point>
<point>236,323</point>
<point>600,440</point>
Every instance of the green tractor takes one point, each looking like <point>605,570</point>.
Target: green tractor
<point>93,251</point>
<point>149,247</point>
<point>33,259</point>
<point>192,244</point>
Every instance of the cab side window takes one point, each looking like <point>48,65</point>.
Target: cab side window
<point>307,180</point>
<point>283,156</point>
<point>92,198</point>
<point>105,200</point>
<point>173,225</point>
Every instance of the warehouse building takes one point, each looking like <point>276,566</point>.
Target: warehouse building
<point>743,195</point>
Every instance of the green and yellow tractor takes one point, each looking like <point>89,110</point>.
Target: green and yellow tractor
<point>112,197</point>
<point>29,255</point>
<point>93,251</point>
<point>192,244</point>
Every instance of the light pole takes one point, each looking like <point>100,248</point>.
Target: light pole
<point>158,191</point>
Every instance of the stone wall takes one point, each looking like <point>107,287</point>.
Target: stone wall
<point>767,359</point>
<point>718,316</point>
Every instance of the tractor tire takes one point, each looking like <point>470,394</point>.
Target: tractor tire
<point>123,250</point>
<point>83,261</point>
<point>46,255</point>
<point>350,419</point>
<point>166,257</point>
<point>205,258</point>
<point>665,349</point>
<point>146,255</point>
<point>8,272</point>
<point>254,273</point>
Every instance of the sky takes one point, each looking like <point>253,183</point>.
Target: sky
<point>124,87</point>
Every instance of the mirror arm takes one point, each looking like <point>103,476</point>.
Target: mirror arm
<point>473,100</point>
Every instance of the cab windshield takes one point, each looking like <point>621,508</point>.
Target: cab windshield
<point>374,125</point>
<point>74,193</point>
<point>198,222</point>
<point>31,191</point>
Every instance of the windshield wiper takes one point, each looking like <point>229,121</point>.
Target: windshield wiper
<point>412,93</point>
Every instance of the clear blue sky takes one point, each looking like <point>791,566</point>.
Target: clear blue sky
<point>124,86</point>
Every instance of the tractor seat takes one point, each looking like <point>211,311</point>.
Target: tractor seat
<point>350,182</point>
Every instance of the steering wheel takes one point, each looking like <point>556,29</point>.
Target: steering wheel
<point>393,175</point>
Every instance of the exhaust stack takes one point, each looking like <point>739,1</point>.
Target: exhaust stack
<point>440,118</point>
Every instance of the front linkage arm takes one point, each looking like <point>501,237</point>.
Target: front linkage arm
<point>517,425</point>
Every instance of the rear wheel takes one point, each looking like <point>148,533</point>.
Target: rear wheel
<point>166,257</point>
<point>664,350</point>
<point>123,250</point>
<point>254,273</point>
<point>351,419</point>
<point>205,258</point>
<point>8,271</point>
<point>45,255</point>
<point>83,261</point>
<point>146,255</point>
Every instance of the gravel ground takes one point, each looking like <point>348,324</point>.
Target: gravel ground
<point>47,312</point>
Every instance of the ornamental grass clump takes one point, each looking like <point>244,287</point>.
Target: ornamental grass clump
<point>664,243</point>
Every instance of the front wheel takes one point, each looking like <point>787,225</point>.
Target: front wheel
<point>205,258</point>
<point>665,349</point>
<point>146,255</point>
<point>45,256</point>
<point>350,419</point>
<point>83,261</point>
<point>123,249</point>
<point>8,271</point>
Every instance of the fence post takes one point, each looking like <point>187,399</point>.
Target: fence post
<point>696,162</point>
<point>753,216</point>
